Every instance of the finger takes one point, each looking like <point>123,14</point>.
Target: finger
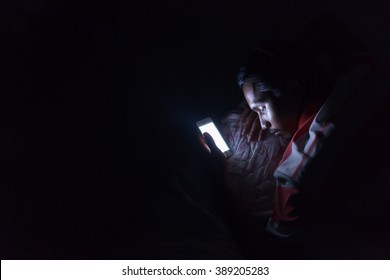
<point>215,163</point>
<point>203,143</point>
<point>252,129</point>
<point>252,117</point>
<point>255,130</point>
<point>244,115</point>
<point>260,136</point>
<point>263,134</point>
<point>213,147</point>
<point>210,142</point>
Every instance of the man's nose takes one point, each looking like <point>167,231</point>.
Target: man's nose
<point>264,123</point>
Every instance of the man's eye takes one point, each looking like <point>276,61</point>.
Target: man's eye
<point>262,109</point>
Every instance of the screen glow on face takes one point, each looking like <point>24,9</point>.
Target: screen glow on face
<point>213,131</point>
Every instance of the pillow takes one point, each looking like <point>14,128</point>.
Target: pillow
<point>251,167</point>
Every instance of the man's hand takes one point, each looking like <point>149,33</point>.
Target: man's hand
<point>251,126</point>
<point>216,154</point>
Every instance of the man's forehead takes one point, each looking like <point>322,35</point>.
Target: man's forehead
<point>255,97</point>
<point>258,84</point>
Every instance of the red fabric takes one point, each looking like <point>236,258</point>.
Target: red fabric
<point>311,109</point>
<point>355,159</point>
<point>284,208</point>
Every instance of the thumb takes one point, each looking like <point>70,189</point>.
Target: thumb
<point>210,142</point>
<point>212,146</point>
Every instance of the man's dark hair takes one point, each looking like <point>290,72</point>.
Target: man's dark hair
<point>264,70</point>
<point>270,66</point>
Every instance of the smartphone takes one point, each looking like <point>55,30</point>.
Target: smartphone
<point>207,125</point>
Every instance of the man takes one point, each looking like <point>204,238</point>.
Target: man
<point>331,192</point>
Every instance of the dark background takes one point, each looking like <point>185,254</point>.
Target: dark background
<point>190,50</point>
<point>91,89</point>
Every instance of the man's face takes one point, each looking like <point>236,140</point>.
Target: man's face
<point>279,115</point>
